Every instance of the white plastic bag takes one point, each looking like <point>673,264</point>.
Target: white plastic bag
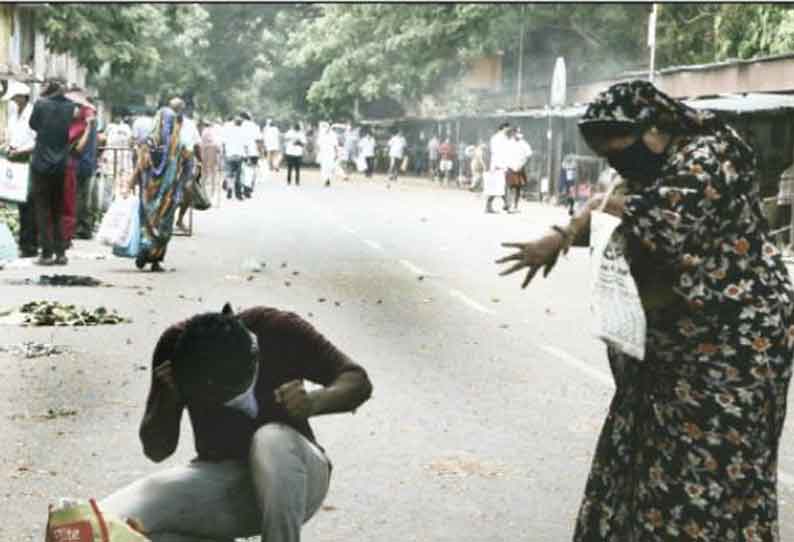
<point>8,245</point>
<point>361,164</point>
<point>247,176</point>
<point>619,319</point>
<point>115,227</point>
<point>14,180</point>
<point>494,183</point>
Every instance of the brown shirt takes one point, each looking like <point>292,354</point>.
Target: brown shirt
<point>289,349</point>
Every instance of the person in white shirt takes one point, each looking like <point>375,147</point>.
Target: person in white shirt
<point>327,144</point>
<point>294,142</point>
<point>190,139</point>
<point>234,148</point>
<point>251,162</point>
<point>366,149</point>
<point>516,177</point>
<point>500,162</point>
<point>272,145</point>
<point>397,146</point>
<point>19,146</point>
<point>142,127</point>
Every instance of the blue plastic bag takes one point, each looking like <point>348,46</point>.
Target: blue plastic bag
<point>131,249</point>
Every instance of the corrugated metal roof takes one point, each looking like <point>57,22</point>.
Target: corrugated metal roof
<point>744,103</point>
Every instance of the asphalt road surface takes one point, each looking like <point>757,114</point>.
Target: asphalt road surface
<point>487,398</point>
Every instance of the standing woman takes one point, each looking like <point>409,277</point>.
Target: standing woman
<point>159,176</point>
<point>689,449</point>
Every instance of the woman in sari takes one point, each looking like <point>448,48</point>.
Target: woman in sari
<point>159,176</point>
<point>690,446</point>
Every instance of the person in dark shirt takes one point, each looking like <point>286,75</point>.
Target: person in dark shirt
<point>259,468</point>
<point>52,114</point>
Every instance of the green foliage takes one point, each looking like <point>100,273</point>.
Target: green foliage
<point>100,34</point>
<point>318,60</point>
<point>704,33</point>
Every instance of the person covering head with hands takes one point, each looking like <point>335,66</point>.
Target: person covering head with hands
<point>259,470</point>
<point>690,445</point>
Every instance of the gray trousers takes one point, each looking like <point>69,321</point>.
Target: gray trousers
<point>281,487</point>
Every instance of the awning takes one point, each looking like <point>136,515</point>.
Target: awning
<point>744,103</point>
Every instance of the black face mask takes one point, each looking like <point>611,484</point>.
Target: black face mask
<point>637,162</point>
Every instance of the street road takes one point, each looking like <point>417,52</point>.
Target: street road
<point>487,399</point>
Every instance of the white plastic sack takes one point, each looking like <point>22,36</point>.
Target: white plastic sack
<point>8,245</point>
<point>361,164</point>
<point>494,183</point>
<point>619,319</point>
<point>14,180</point>
<point>115,227</point>
<point>247,175</point>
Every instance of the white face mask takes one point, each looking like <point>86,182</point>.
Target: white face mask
<point>246,402</point>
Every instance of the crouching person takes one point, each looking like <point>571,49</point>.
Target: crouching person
<point>259,469</point>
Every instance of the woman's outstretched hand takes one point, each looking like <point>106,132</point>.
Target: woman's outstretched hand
<point>534,255</point>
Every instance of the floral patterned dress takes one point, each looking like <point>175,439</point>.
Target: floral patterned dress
<point>689,449</point>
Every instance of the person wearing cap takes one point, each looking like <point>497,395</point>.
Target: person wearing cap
<point>260,469</point>
<point>689,449</point>
<point>51,118</point>
<point>19,146</point>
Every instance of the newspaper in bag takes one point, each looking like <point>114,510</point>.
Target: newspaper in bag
<point>619,319</point>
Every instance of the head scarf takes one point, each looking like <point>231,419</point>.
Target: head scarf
<point>641,104</point>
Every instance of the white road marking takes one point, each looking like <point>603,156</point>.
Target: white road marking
<point>470,302</point>
<point>579,364</point>
<point>351,231</point>
<point>782,476</point>
<point>372,244</point>
<point>411,267</point>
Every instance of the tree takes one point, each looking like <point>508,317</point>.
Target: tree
<point>99,35</point>
<point>371,51</point>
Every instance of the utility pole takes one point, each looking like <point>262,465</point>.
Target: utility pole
<point>652,41</point>
<point>521,56</point>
